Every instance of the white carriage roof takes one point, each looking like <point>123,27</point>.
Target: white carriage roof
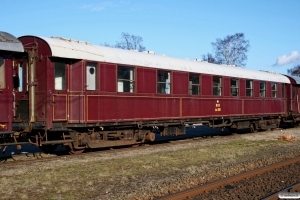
<point>66,48</point>
<point>8,42</point>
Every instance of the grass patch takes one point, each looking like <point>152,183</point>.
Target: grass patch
<point>113,176</point>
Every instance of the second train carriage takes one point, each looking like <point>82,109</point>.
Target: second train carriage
<point>82,95</point>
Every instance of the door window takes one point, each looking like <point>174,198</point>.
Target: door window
<point>91,76</point>
<point>59,76</point>
<point>2,73</point>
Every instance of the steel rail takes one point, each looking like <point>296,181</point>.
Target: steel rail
<point>293,188</point>
<point>236,178</point>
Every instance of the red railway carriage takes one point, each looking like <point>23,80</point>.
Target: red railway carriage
<point>82,95</point>
<point>11,55</point>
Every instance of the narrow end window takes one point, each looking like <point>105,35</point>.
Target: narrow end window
<point>2,73</point>
<point>59,76</point>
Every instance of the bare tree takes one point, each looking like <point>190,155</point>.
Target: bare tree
<point>106,44</point>
<point>295,71</point>
<point>130,42</point>
<point>209,58</point>
<point>232,49</point>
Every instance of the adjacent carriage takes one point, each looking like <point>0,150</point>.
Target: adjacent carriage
<point>79,95</point>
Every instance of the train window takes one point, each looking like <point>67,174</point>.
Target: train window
<point>274,90</point>
<point>91,76</point>
<point>234,87</point>
<point>262,91</point>
<point>2,73</point>
<point>217,85</point>
<point>194,86</point>
<point>20,77</point>
<point>249,88</point>
<point>282,90</point>
<point>163,82</point>
<point>59,76</point>
<point>125,79</point>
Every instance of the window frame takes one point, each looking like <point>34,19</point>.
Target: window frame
<point>194,85</point>
<point>217,90</point>
<point>167,84</point>
<point>236,87</point>
<point>2,73</point>
<point>249,89</point>
<point>56,78</point>
<point>262,90</point>
<point>282,90</point>
<point>122,81</point>
<point>95,66</point>
<point>274,91</point>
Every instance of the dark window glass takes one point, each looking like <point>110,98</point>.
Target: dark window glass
<point>217,86</point>
<point>274,90</point>
<point>125,79</point>
<point>163,82</point>
<point>234,87</point>
<point>262,89</point>
<point>249,88</point>
<point>194,84</point>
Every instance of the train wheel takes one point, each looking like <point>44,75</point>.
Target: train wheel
<point>49,149</point>
<point>253,128</point>
<point>73,150</point>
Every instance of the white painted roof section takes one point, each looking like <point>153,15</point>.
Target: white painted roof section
<point>8,42</point>
<point>296,78</point>
<point>65,48</point>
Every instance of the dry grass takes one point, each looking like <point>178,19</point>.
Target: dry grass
<point>143,174</point>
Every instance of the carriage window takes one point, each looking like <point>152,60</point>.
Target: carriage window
<point>262,92</point>
<point>217,86</point>
<point>125,79</point>
<point>274,90</point>
<point>59,76</point>
<point>234,87</point>
<point>194,86</point>
<point>163,82</point>
<point>91,76</point>
<point>2,73</point>
<point>20,77</point>
<point>249,88</point>
<point>282,90</point>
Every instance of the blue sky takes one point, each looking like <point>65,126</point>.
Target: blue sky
<point>176,28</point>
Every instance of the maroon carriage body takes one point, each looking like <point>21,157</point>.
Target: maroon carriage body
<point>74,103</point>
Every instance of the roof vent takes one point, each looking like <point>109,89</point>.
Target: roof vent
<point>268,72</point>
<point>149,52</point>
<point>70,40</point>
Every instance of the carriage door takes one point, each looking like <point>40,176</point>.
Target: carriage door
<point>59,97</point>
<point>5,100</point>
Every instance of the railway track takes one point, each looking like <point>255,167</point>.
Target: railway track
<point>225,187</point>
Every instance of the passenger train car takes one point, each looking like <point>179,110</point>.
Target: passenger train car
<point>57,91</point>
